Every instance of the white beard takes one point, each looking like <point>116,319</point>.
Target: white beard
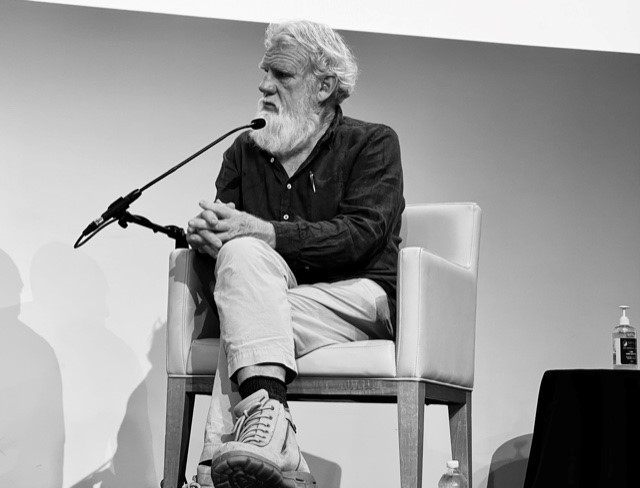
<point>287,130</point>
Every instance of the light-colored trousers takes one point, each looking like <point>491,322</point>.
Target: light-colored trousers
<point>266,317</point>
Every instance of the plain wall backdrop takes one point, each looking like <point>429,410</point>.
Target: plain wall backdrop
<point>95,103</point>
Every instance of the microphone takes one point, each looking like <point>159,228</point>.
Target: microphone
<point>257,124</point>
<point>118,207</point>
<point>115,210</point>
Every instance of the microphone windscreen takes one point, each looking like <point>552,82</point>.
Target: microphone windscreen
<point>257,124</point>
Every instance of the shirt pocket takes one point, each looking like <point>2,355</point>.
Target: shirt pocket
<point>325,192</point>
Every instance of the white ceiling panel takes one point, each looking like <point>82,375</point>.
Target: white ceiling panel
<point>598,25</point>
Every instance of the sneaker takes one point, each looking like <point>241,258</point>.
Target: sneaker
<point>193,484</point>
<point>265,452</point>
<point>203,476</point>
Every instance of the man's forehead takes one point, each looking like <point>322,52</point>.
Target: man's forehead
<point>285,53</point>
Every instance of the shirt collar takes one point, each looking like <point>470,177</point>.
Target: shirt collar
<point>337,120</point>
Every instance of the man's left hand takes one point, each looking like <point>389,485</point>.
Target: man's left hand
<point>219,223</point>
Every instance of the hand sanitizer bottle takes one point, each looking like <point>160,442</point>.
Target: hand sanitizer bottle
<point>625,346</point>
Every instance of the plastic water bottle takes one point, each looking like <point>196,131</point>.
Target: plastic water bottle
<point>625,345</point>
<point>453,478</point>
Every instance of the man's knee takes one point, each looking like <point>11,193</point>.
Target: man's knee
<point>251,260</point>
<point>244,247</point>
<point>246,255</point>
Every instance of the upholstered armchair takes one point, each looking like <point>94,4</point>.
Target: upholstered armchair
<point>430,362</point>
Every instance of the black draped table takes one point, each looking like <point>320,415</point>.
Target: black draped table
<point>587,430</point>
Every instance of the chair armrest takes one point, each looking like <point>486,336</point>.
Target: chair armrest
<point>436,318</point>
<point>191,311</point>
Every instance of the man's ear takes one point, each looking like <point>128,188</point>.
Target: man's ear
<point>328,86</point>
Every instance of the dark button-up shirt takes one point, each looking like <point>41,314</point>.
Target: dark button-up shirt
<point>339,215</point>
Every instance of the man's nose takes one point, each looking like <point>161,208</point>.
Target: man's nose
<point>267,87</point>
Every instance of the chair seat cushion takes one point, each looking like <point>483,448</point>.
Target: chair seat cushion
<point>203,357</point>
<point>375,358</point>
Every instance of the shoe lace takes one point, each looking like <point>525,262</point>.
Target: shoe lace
<point>255,424</point>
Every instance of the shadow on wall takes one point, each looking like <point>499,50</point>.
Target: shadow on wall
<point>99,370</point>
<point>133,462</point>
<point>327,473</point>
<point>31,413</point>
<point>509,463</point>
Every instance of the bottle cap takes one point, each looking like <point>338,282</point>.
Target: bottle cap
<point>624,320</point>
<point>453,464</point>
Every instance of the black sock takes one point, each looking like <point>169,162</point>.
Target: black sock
<point>276,388</point>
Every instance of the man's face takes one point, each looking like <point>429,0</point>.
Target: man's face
<point>285,86</point>
<point>288,103</point>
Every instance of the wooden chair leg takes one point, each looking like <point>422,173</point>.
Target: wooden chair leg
<point>411,403</point>
<point>178,431</point>
<point>460,429</point>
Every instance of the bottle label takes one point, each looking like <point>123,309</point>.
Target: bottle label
<point>628,351</point>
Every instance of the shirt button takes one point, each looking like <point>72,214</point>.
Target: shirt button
<point>288,186</point>
<point>285,216</point>
<point>272,160</point>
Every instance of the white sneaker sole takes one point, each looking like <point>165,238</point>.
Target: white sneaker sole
<point>248,470</point>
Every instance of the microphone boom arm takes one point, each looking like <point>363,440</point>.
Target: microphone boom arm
<point>173,231</point>
<point>117,210</point>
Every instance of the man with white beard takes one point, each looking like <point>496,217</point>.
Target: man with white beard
<point>304,232</point>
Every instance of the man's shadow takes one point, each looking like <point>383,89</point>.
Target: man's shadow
<point>32,432</point>
<point>134,462</point>
<point>99,369</point>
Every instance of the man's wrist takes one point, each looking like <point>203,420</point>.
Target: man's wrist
<point>263,230</point>
<point>269,233</point>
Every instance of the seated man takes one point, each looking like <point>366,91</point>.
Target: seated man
<point>305,233</point>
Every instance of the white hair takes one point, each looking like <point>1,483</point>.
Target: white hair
<point>326,50</point>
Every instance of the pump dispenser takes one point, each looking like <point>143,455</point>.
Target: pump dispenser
<point>625,345</point>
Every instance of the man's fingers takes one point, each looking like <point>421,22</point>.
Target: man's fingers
<point>221,210</point>
<point>228,204</point>
<point>202,238</point>
<point>210,239</point>
<point>209,217</point>
<point>199,225</point>
<point>222,226</point>
<point>196,224</point>
<point>224,236</point>
<point>195,241</point>
<point>207,204</point>
<point>210,251</point>
<point>205,220</point>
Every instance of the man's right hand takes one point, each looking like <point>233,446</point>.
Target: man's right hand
<point>201,231</point>
<point>219,223</point>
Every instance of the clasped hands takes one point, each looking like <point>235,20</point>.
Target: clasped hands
<point>220,222</point>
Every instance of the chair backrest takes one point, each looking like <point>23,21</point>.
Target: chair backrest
<point>450,230</point>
